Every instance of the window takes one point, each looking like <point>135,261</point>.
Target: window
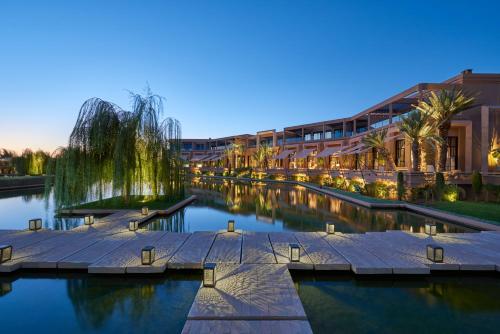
<point>328,135</point>
<point>337,133</point>
<point>307,137</point>
<point>317,136</point>
<point>452,154</point>
<point>400,153</point>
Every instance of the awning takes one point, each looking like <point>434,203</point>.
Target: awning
<point>361,150</point>
<point>350,150</point>
<point>198,158</point>
<point>215,157</point>
<point>284,154</point>
<point>392,137</point>
<point>328,151</point>
<point>304,153</point>
<point>208,158</point>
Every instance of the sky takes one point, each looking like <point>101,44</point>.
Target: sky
<point>228,67</point>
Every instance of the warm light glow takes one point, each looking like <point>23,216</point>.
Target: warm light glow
<point>209,275</point>
<point>35,224</point>
<point>88,220</point>
<point>145,211</point>
<point>330,228</point>
<point>430,229</point>
<point>133,225</point>
<point>294,252</point>
<point>230,226</point>
<point>148,255</point>
<point>435,253</point>
<point>5,253</point>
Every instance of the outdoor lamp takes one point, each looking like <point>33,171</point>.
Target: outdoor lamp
<point>35,224</point>
<point>230,225</point>
<point>430,229</point>
<point>435,253</point>
<point>209,275</point>
<point>88,220</point>
<point>133,225</point>
<point>5,253</point>
<point>330,228</point>
<point>148,255</point>
<point>145,211</point>
<point>294,252</point>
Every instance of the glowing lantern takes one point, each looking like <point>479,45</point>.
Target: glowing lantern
<point>435,253</point>
<point>5,253</point>
<point>230,225</point>
<point>209,275</point>
<point>145,211</point>
<point>148,255</point>
<point>133,225</point>
<point>294,252</point>
<point>88,220</point>
<point>330,228</point>
<point>35,224</point>
<point>430,229</point>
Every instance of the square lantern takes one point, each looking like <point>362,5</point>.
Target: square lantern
<point>133,225</point>
<point>5,253</point>
<point>209,275</point>
<point>294,252</point>
<point>230,225</point>
<point>435,253</point>
<point>145,211</point>
<point>35,224</point>
<point>88,220</point>
<point>148,255</point>
<point>430,229</point>
<point>330,228</point>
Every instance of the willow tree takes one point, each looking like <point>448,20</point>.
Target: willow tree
<point>122,152</point>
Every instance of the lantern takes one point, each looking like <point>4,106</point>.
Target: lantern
<point>88,220</point>
<point>430,229</point>
<point>209,275</point>
<point>330,228</point>
<point>435,253</point>
<point>148,255</point>
<point>5,253</point>
<point>294,252</point>
<point>133,225</point>
<point>35,224</point>
<point>145,211</point>
<point>230,225</point>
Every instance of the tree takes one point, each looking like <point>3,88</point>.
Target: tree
<point>263,155</point>
<point>376,140</point>
<point>442,107</point>
<point>232,152</point>
<point>417,128</point>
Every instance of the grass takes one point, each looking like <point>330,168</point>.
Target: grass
<point>481,210</point>
<point>134,203</point>
<point>360,196</point>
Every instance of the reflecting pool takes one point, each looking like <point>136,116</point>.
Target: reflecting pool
<point>273,207</point>
<point>433,304</point>
<point>80,303</point>
<point>254,207</point>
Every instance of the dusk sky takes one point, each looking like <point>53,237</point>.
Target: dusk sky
<point>228,67</point>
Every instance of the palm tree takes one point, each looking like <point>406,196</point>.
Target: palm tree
<point>418,129</point>
<point>376,140</point>
<point>441,108</point>
<point>262,155</point>
<point>232,152</point>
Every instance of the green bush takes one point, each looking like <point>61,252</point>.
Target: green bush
<point>401,186</point>
<point>452,193</point>
<point>439,186</point>
<point>477,183</point>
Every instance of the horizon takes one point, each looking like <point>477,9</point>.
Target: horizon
<point>216,63</point>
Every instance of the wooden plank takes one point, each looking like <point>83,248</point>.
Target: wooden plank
<point>362,261</point>
<point>116,261</point>
<point>249,292</point>
<point>226,248</point>
<point>85,257</point>
<point>322,255</point>
<point>192,254</point>
<point>164,249</point>
<point>280,242</point>
<point>256,248</point>
<point>247,326</point>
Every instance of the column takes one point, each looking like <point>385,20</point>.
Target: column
<point>485,110</point>
<point>390,113</point>
<point>468,148</point>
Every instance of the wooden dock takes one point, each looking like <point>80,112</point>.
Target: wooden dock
<point>254,290</point>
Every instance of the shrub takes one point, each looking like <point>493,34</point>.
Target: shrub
<point>381,189</point>
<point>477,183</point>
<point>439,186</point>
<point>451,193</point>
<point>400,186</point>
<point>300,177</point>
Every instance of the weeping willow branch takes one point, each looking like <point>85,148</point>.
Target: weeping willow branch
<point>118,151</point>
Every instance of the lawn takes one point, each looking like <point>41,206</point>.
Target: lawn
<point>135,202</point>
<point>481,210</point>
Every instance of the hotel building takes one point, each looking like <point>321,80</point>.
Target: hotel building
<point>335,146</point>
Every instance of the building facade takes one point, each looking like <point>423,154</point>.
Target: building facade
<point>335,146</point>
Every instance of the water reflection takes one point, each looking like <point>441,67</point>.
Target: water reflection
<point>285,207</point>
<point>82,303</point>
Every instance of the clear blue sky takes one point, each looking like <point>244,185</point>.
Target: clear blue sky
<point>228,67</point>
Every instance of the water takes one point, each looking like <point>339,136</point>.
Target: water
<point>268,208</point>
<point>79,303</point>
<point>432,304</point>
<point>275,207</point>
